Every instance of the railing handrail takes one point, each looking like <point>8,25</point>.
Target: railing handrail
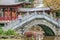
<point>33,16</point>
<point>33,9</point>
<point>49,16</point>
<point>16,22</point>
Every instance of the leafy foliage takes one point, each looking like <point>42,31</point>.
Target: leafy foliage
<point>1,31</point>
<point>9,32</point>
<point>54,4</point>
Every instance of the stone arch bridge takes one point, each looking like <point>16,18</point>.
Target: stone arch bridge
<point>34,19</point>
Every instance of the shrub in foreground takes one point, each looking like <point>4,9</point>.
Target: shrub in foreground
<point>10,32</point>
<point>7,33</point>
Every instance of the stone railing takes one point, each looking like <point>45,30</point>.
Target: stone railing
<point>32,9</point>
<point>27,18</point>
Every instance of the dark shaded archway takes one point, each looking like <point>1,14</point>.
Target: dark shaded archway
<point>47,30</point>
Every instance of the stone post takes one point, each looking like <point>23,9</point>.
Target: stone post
<point>43,12</point>
<point>51,14</point>
<point>35,12</point>
<point>54,15</point>
<point>27,13</point>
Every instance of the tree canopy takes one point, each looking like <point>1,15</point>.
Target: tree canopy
<point>54,4</point>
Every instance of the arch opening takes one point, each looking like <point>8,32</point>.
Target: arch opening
<point>46,30</point>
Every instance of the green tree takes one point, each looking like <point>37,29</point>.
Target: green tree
<point>54,4</point>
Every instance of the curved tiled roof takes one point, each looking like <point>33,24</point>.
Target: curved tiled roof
<point>7,2</point>
<point>10,2</point>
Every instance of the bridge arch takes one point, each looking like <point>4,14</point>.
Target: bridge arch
<point>43,28</point>
<point>41,22</point>
<point>48,31</point>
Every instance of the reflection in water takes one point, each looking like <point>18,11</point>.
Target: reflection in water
<point>51,38</point>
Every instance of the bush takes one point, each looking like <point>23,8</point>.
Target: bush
<point>1,31</point>
<point>10,32</point>
<point>7,33</point>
